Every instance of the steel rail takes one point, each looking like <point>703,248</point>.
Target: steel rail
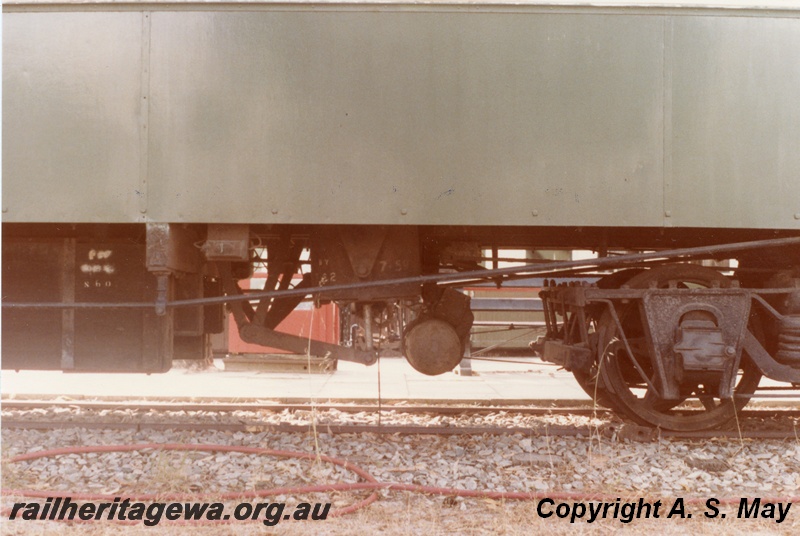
<point>277,408</point>
<point>425,409</point>
<point>631,432</point>
<point>458,277</point>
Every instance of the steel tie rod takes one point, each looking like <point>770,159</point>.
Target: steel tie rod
<point>529,269</point>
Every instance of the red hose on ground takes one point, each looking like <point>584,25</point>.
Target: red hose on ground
<point>371,483</point>
<point>202,448</point>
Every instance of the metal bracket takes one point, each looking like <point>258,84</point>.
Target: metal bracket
<point>569,357</point>
<point>170,248</point>
<point>256,334</point>
<point>162,293</point>
<point>227,242</point>
<point>767,364</point>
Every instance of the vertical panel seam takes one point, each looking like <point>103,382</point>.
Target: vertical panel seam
<point>144,118</point>
<point>667,171</point>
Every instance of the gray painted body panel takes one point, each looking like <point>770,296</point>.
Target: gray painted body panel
<point>402,116</point>
<point>71,113</point>
<point>736,122</point>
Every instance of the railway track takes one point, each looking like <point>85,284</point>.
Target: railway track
<point>572,407</point>
<point>625,431</point>
<point>140,417</point>
<point>576,408</point>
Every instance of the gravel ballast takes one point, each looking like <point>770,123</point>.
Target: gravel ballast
<point>609,466</point>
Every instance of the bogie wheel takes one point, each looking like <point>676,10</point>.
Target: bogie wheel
<point>632,396</point>
<point>592,385</point>
<point>590,381</point>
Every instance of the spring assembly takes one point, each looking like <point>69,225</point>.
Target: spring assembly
<point>789,341</point>
<point>788,351</point>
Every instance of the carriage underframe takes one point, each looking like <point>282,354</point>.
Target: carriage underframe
<point>664,342</point>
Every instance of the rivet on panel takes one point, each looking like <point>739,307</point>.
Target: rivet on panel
<point>797,215</point>
<point>668,213</point>
<point>534,213</point>
<point>274,210</point>
<point>404,211</point>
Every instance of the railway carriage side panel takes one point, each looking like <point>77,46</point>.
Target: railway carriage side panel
<point>401,115</point>
<point>72,114</point>
<point>456,117</point>
<point>735,122</point>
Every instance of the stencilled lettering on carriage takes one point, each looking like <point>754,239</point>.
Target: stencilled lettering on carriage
<point>98,265</point>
